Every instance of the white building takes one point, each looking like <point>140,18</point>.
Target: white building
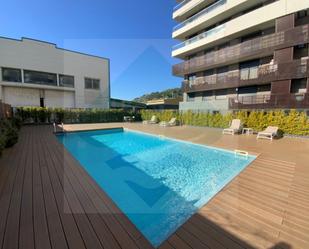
<point>37,73</point>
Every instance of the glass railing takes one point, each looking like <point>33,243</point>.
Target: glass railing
<point>201,36</point>
<point>178,6</point>
<point>200,14</point>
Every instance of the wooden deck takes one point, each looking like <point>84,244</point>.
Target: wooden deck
<point>47,200</point>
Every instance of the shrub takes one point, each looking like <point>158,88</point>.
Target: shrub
<point>59,115</point>
<point>9,132</point>
<point>293,122</point>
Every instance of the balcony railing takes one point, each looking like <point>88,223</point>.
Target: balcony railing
<point>178,6</point>
<point>272,101</point>
<point>244,77</point>
<point>257,47</point>
<point>200,14</point>
<point>201,36</point>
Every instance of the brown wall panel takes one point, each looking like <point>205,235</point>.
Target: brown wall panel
<point>281,87</point>
<point>284,55</point>
<point>285,23</point>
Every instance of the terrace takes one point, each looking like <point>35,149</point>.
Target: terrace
<point>47,200</point>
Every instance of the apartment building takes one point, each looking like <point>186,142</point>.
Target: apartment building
<point>242,54</point>
<point>37,73</point>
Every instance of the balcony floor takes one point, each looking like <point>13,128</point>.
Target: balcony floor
<point>47,200</point>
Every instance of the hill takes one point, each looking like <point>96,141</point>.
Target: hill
<point>169,93</point>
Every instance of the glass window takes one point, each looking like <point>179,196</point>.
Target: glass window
<point>221,94</point>
<point>40,78</point>
<point>190,97</point>
<point>66,80</point>
<point>192,80</point>
<point>299,86</point>
<point>249,69</point>
<point>11,74</point>
<point>92,83</point>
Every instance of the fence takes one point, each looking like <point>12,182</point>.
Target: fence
<point>5,111</point>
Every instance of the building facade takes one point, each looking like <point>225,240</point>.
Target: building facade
<point>242,54</point>
<point>37,73</point>
<point>164,104</point>
<point>126,105</point>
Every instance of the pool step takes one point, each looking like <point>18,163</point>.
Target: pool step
<point>241,153</point>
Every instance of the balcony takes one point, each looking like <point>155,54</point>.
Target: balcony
<point>251,76</point>
<point>178,6</point>
<point>200,14</point>
<point>209,33</point>
<point>273,101</point>
<point>263,17</point>
<point>255,48</point>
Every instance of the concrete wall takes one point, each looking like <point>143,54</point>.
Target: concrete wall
<point>46,57</point>
<point>209,105</point>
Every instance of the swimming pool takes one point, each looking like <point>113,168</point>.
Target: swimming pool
<point>157,182</point>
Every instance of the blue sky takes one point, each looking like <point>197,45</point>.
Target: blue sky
<point>134,34</point>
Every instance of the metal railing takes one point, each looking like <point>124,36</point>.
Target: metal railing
<point>201,36</point>
<point>270,101</point>
<point>263,74</point>
<point>178,6</point>
<point>202,13</point>
<point>255,47</point>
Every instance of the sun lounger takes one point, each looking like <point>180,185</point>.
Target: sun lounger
<point>234,128</point>
<point>172,122</point>
<point>153,120</point>
<point>269,133</point>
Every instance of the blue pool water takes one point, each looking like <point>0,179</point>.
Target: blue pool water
<point>157,182</point>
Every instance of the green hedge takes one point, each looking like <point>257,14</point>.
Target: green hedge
<point>293,122</point>
<point>49,115</point>
<point>8,133</point>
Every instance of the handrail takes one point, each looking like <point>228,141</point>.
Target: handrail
<point>200,14</point>
<point>178,6</point>
<point>200,36</point>
<point>292,36</point>
<point>270,101</point>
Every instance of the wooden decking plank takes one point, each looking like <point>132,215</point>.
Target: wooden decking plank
<point>89,236</point>
<point>208,227</point>
<point>178,243</point>
<point>11,165</point>
<point>56,232</point>
<point>242,227</point>
<point>71,231</point>
<point>11,236</point>
<point>193,241</point>
<point>26,236</point>
<point>40,227</point>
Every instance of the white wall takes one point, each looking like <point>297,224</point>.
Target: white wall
<point>46,57</point>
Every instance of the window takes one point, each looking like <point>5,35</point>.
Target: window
<point>221,94</point>
<point>249,70</point>
<point>66,80</point>
<point>192,79</point>
<point>190,97</point>
<point>301,51</point>
<point>11,74</point>
<point>299,86</point>
<point>207,95</point>
<point>40,78</point>
<point>92,83</point>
